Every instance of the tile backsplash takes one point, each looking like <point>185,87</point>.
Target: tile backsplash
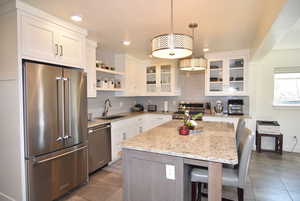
<point>119,104</point>
<point>174,101</point>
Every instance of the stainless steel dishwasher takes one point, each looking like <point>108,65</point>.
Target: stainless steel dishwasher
<point>99,146</point>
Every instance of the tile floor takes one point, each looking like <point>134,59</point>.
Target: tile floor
<point>271,178</point>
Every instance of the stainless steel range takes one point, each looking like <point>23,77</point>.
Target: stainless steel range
<point>193,108</point>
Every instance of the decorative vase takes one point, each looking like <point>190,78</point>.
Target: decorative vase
<point>184,130</point>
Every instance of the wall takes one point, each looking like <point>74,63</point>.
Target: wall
<point>119,104</point>
<point>261,83</point>
<point>106,56</point>
<point>11,159</point>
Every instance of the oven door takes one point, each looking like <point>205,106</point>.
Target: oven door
<point>51,176</point>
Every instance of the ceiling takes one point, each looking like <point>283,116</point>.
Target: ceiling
<point>223,24</point>
<point>291,39</point>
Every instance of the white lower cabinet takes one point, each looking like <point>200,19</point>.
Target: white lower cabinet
<point>154,120</point>
<point>127,128</point>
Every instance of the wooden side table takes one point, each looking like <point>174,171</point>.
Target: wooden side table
<point>278,142</point>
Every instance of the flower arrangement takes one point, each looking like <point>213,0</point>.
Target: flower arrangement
<point>190,120</point>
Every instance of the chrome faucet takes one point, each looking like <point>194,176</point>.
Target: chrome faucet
<point>107,105</point>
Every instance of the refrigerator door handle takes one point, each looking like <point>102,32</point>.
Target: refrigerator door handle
<point>63,108</point>
<point>37,162</point>
<point>68,106</point>
<point>59,79</point>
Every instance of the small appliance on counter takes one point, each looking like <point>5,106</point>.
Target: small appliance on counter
<point>208,108</point>
<point>166,106</point>
<point>152,108</point>
<point>193,108</point>
<point>235,107</point>
<point>137,108</point>
<point>219,108</point>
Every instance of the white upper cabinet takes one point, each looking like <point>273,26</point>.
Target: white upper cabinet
<point>134,79</point>
<point>39,39</point>
<point>47,39</point>
<point>148,78</point>
<point>71,48</point>
<point>91,68</point>
<point>161,79</point>
<point>227,73</point>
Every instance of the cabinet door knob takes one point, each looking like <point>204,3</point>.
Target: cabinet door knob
<point>56,49</point>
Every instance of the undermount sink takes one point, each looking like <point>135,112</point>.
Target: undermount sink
<point>112,117</point>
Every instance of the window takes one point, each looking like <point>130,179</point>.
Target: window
<point>287,86</point>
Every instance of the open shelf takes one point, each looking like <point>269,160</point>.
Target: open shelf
<point>102,89</point>
<point>237,81</point>
<point>236,68</point>
<point>110,71</point>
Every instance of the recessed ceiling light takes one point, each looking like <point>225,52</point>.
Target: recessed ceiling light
<point>205,49</point>
<point>76,18</point>
<point>126,42</point>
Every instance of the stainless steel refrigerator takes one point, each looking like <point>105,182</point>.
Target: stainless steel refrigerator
<point>55,129</point>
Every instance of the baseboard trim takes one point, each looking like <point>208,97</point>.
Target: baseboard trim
<point>6,197</point>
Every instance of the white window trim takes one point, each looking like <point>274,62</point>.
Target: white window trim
<point>289,69</point>
<point>285,106</point>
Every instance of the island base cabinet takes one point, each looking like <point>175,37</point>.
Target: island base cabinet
<point>145,177</point>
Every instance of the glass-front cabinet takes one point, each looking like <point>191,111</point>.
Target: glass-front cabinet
<point>215,81</point>
<point>226,74</point>
<point>165,78</point>
<point>236,74</point>
<point>161,80</point>
<point>151,79</point>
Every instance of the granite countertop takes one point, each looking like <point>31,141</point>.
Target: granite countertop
<point>216,143</point>
<point>97,122</point>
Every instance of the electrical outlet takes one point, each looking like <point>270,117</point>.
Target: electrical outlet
<point>170,172</point>
<point>121,104</point>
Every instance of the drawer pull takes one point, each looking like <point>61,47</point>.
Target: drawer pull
<point>59,156</point>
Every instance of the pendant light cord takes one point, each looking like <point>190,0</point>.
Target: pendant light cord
<point>193,26</point>
<point>172,20</point>
<point>193,53</point>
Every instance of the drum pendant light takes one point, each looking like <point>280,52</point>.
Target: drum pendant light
<point>194,63</point>
<point>173,45</point>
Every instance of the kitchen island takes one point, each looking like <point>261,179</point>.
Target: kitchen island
<point>157,163</point>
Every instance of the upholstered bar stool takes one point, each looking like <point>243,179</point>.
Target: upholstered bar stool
<point>231,177</point>
<point>239,130</point>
